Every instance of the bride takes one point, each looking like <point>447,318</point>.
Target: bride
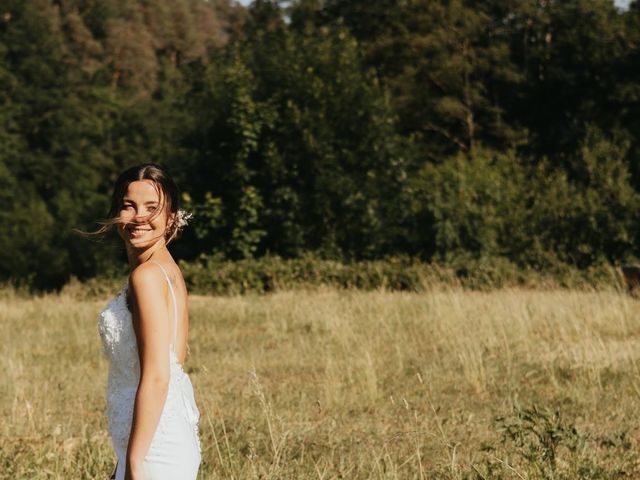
<point>151,410</point>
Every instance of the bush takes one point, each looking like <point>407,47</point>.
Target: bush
<point>211,275</point>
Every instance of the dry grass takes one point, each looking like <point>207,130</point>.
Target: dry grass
<point>331,384</point>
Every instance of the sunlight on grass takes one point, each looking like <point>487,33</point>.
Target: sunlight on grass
<point>348,384</point>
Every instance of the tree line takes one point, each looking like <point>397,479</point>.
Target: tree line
<point>442,130</point>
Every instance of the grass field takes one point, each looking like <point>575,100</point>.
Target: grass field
<point>328,384</point>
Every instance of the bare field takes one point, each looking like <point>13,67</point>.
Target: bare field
<point>327,384</point>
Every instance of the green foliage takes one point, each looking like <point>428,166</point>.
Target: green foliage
<point>245,235</point>
<point>547,445</point>
<point>572,54</point>
<point>448,66</point>
<point>213,275</point>
<point>495,205</point>
<point>66,131</point>
<point>591,212</point>
<point>294,165</point>
<point>464,203</point>
<point>455,132</point>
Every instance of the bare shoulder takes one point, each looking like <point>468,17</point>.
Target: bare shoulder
<point>146,278</point>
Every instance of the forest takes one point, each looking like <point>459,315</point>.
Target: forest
<point>444,131</point>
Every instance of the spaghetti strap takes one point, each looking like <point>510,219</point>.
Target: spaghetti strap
<point>175,305</point>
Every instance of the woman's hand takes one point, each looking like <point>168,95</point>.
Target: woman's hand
<point>134,470</point>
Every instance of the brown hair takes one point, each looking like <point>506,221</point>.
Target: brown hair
<point>167,191</point>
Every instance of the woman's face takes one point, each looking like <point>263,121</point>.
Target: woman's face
<point>139,203</point>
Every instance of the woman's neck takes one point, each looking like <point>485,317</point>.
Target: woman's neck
<point>139,256</point>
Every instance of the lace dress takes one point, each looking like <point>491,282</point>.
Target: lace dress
<point>175,449</point>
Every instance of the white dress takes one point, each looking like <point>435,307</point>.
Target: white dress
<point>174,452</point>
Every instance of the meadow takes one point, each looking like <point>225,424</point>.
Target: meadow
<point>345,384</point>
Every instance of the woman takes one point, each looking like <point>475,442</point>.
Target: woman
<point>153,418</point>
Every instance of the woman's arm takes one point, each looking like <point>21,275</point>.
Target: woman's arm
<point>151,324</point>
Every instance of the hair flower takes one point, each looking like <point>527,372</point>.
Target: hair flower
<point>183,217</point>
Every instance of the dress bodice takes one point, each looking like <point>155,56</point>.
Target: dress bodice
<point>120,346</point>
<point>119,342</point>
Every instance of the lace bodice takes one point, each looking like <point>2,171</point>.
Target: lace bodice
<point>120,346</point>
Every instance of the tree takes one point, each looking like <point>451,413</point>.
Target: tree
<point>447,64</point>
<point>294,120</point>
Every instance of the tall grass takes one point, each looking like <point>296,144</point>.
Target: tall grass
<point>325,383</point>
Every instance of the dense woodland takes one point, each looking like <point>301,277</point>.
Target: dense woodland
<point>441,130</point>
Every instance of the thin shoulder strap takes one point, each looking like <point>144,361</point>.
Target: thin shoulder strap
<point>175,305</point>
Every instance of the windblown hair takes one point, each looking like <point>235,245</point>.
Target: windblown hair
<point>167,192</point>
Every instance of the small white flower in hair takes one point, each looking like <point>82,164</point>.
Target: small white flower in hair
<point>183,217</point>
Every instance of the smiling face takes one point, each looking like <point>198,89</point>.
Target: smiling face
<point>142,225</point>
